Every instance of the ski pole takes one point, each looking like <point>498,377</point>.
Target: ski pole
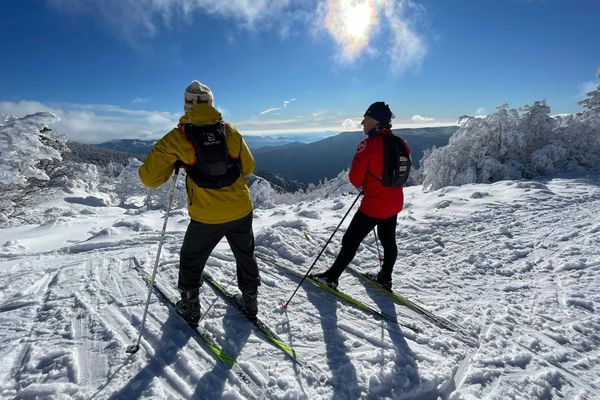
<point>285,305</point>
<point>377,243</point>
<point>135,347</point>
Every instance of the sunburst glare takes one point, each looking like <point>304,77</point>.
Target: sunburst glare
<point>350,23</point>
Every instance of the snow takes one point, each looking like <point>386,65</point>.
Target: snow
<point>514,263</point>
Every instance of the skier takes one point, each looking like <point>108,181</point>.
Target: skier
<point>380,205</point>
<point>217,161</point>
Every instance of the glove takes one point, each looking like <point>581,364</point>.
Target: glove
<point>178,164</point>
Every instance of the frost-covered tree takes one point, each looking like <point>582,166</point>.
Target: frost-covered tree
<point>30,153</point>
<point>481,150</point>
<point>592,102</point>
<point>24,142</point>
<point>515,144</point>
<point>262,192</point>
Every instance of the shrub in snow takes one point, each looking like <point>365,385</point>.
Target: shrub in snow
<point>131,193</point>
<point>516,144</point>
<point>262,193</point>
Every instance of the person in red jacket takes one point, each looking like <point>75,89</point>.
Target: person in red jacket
<point>380,204</point>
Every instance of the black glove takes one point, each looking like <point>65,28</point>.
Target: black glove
<point>178,164</point>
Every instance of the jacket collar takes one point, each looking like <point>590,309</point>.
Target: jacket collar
<point>202,114</point>
<point>379,132</point>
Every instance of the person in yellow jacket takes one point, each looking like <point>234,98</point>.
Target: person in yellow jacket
<point>219,206</point>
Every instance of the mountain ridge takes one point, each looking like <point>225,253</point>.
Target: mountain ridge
<point>314,161</point>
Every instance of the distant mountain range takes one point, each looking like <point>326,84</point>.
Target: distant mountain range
<point>326,158</point>
<point>131,146</point>
<point>291,164</point>
<point>142,147</point>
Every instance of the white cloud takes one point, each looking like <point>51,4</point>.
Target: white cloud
<point>268,110</point>
<point>133,19</point>
<point>317,121</point>
<point>351,124</point>
<point>481,111</point>
<point>284,105</point>
<point>407,48</point>
<point>419,119</point>
<point>585,88</point>
<point>139,100</point>
<point>95,123</point>
<point>382,28</point>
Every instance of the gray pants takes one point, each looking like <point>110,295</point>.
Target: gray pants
<point>201,239</point>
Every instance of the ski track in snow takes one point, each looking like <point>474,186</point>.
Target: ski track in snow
<point>515,264</point>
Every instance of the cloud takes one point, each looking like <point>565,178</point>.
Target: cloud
<point>139,100</point>
<point>407,49</point>
<point>481,111</point>
<point>378,28</point>
<point>585,88</point>
<point>351,124</point>
<point>284,105</point>
<point>419,119</point>
<point>268,110</point>
<point>131,20</point>
<point>316,121</point>
<point>95,123</point>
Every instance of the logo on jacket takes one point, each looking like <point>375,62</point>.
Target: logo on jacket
<point>361,146</point>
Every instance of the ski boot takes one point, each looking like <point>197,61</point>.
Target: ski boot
<point>324,278</point>
<point>247,303</point>
<point>378,277</point>
<point>189,307</point>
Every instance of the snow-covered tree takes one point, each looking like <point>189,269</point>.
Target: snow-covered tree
<point>515,144</point>
<point>30,155</point>
<point>262,192</point>
<point>592,102</point>
<point>24,142</point>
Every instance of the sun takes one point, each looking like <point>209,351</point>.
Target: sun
<point>356,20</point>
<point>350,23</point>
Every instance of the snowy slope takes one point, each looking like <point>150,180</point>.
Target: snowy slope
<point>515,263</point>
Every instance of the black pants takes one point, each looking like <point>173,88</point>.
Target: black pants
<point>201,239</point>
<point>358,229</point>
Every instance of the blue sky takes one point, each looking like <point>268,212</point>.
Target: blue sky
<point>118,68</point>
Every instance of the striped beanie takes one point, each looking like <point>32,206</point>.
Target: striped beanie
<point>195,93</point>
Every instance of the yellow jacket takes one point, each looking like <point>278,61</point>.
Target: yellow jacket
<point>210,206</point>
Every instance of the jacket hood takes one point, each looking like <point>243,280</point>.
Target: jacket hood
<point>203,114</point>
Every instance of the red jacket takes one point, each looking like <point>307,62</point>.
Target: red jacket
<point>367,166</point>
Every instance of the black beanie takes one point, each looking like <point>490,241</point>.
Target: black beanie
<point>381,112</point>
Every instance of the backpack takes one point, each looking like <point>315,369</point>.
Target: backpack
<point>396,161</point>
<point>214,168</point>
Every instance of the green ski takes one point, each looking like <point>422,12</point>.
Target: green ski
<point>206,338</point>
<point>341,295</point>
<point>270,335</point>
<point>403,301</point>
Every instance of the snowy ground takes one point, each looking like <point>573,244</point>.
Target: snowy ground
<point>515,263</point>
